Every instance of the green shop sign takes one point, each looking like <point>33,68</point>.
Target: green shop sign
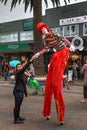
<point>8,47</point>
<point>27,25</point>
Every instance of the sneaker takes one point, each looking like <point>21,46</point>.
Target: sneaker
<point>83,101</point>
<point>43,94</point>
<point>21,118</point>
<point>18,122</point>
<point>35,93</point>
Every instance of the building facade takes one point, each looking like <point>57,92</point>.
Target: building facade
<point>71,21</point>
<point>16,38</point>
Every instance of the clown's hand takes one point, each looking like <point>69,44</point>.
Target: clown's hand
<point>54,50</point>
<point>72,48</point>
<point>47,48</point>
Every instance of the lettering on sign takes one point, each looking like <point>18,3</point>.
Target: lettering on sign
<point>13,46</point>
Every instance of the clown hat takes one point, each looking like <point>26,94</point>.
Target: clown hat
<point>41,25</point>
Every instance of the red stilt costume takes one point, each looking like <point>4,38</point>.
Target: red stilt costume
<point>54,84</point>
<point>56,69</point>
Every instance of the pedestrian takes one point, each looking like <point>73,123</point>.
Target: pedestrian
<point>65,80</point>
<point>5,70</point>
<point>61,47</point>
<point>84,71</point>
<point>10,69</point>
<point>19,91</point>
<point>70,72</point>
<point>32,72</point>
<point>75,72</point>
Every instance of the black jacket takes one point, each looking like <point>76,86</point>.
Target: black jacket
<point>20,78</point>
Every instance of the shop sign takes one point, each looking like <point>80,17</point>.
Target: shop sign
<point>8,47</point>
<point>74,20</point>
<point>27,25</point>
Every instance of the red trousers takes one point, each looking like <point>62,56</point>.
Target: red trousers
<point>54,83</point>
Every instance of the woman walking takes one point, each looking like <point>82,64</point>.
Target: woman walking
<point>84,71</point>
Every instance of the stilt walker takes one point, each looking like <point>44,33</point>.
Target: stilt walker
<point>61,47</point>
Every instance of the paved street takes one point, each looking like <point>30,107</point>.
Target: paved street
<point>75,116</point>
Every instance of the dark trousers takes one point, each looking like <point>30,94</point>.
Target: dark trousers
<point>18,102</point>
<point>85,91</point>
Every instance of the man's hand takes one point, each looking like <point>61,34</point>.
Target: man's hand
<point>32,58</point>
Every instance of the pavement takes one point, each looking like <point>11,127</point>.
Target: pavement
<point>31,109</point>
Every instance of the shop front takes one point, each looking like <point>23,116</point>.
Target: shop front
<point>12,51</point>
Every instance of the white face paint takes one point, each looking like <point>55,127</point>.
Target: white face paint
<point>44,31</point>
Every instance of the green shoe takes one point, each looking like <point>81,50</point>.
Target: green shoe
<point>35,93</point>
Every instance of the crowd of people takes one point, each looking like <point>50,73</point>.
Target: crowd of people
<point>74,71</point>
<point>6,70</point>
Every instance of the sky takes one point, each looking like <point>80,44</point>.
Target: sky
<point>18,12</point>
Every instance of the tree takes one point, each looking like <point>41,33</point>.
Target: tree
<point>36,5</point>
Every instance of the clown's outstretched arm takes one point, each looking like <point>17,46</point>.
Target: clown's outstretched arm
<point>38,54</point>
<point>72,48</point>
<point>68,43</point>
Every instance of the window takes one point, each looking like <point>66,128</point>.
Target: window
<point>85,29</point>
<point>53,29</point>
<point>74,30</point>
<point>67,31</point>
<point>12,37</point>
<point>27,35</point>
<point>71,31</point>
<point>58,30</point>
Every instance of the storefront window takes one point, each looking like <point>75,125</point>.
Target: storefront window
<point>58,30</point>
<point>12,37</point>
<point>74,30</point>
<point>53,29</point>
<point>85,29</point>
<point>27,35</point>
<point>67,31</point>
<point>75,57</point>
<point>71,31</point>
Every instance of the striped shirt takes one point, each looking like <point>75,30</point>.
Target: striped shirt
<point>53,41</point>
<point>57,42</point>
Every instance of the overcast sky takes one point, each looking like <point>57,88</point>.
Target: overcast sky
<point>18,12</point>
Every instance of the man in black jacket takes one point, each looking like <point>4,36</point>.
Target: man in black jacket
<point>19,91</point>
